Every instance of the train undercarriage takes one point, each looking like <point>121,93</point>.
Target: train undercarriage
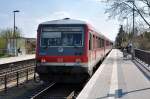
<point>63,74</point>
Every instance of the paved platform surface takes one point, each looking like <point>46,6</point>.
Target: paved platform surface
<point>117,78</point>
<point>18,58</point>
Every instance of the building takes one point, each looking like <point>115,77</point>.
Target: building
<point>22,47</point>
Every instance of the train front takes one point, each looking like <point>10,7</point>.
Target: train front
<point>61,53</point>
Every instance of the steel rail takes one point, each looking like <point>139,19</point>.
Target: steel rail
<point>71,95</point>
<point>39,94</point>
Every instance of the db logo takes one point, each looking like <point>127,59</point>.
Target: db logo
<point>60,49</point>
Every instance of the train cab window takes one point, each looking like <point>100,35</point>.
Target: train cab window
<point>90,42</point>
<point>72,39</point>
<point>50,39</point>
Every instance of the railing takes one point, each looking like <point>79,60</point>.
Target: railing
<point>15,76</point>
<point>142,55</point>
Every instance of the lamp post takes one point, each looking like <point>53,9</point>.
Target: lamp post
<point>133,19</point>
<point>14,36</point>
<point>132,52</point>
<point>127,24</point>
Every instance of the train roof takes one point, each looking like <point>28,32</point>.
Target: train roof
<point>68,21</point>
<point>64,21</point>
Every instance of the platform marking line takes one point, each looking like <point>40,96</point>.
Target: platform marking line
<point>114,78</point>
<point>85,93</point>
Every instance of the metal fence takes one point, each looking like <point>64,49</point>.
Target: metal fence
<point>14,76</point>
<point>16,72</point>
<point>143,55</point>
<point>3,52</point>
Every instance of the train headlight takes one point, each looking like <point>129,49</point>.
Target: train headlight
<point>43,60</point>
<point>78,60</point>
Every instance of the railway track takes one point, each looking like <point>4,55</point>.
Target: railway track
<point>9,67</point>
<point>42,92</point>
<point>59,91</point>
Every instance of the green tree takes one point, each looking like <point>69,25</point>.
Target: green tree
<point>122,38</point>
<point>7,34</point>
<point>144,41</point>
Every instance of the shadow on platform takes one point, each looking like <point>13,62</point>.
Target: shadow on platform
<point>123,93</point>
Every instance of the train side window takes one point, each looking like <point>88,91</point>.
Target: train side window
<point>90,42</point>
<point>97,43</point>
<point>101,41</point>
<point>93,42</point>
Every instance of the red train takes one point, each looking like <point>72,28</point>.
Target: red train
<point>68,50</point>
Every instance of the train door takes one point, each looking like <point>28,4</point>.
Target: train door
<point>103,47</point>
<point>90,41</point>
<point>90,54</point>
<point>104,41</point>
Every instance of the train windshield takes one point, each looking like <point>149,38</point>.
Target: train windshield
<point>62,37</point>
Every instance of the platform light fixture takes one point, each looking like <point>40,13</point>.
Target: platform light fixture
<point>15,43</point>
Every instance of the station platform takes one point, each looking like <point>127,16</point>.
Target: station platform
<point>117,78</point>
<point>17,58</point>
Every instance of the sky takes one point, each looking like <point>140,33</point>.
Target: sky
<point>33,12</point>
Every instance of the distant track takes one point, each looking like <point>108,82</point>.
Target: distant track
<point>9,67</point>
<point>15,71</point>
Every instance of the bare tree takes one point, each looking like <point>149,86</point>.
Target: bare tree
<point>124,8</point>
<point>8,33</point>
